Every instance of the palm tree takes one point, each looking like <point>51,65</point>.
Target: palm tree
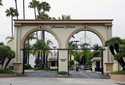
<point>6,54</point>
<point>41,9</point>
<point>45,6</point>
<point>34,5</point>
<point>43,16</point>
<point>16,7</point>
<point>117,48</point>
<point>11,12</point>
<point>40,47</point>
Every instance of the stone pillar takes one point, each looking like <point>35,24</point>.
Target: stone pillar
<point>107,56</point>
<point>18,52</point>
<point>18,68</point>
<point>63,61</point>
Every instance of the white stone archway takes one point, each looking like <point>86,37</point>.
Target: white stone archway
<point>62,30</point>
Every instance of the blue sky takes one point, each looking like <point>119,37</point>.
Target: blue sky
<point>77,9</point>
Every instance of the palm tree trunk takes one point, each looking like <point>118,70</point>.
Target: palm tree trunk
<point>12,25</point>
<point>16,8</point>
<point>35,12</point>
<point>23,9</point>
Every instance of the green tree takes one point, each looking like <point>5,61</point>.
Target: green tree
<point>10,56</point>
<point>97,50</point>
<point>6,53</point>
<point>86,56</point>
<point>11,12</point>
<point>72,52</point>
<point>34,5</point>
<point>117,48</point>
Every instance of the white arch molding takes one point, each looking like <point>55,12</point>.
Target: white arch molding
<point>62,30</point>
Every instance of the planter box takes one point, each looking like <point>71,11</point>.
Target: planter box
<point>118,77</point>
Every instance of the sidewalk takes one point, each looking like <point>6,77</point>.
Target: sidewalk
<point>54,81</point>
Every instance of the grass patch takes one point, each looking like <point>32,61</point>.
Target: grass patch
<point>6,71</point>
<point>119,72</point>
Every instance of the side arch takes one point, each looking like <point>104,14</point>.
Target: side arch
<point>24,37</point>
<point>87,29</point>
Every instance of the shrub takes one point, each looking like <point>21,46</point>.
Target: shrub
<point>27,66</point>
<point>63,73</point>
<point>7,71</point>
<point>41,68</point>
<point>119,72</point>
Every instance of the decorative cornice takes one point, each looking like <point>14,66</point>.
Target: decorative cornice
<point>61,22</point>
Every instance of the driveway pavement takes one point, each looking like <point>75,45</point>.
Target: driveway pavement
<point>51,78</point>
<point>72,74</point>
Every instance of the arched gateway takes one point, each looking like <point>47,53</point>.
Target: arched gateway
<point>62,30</point>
